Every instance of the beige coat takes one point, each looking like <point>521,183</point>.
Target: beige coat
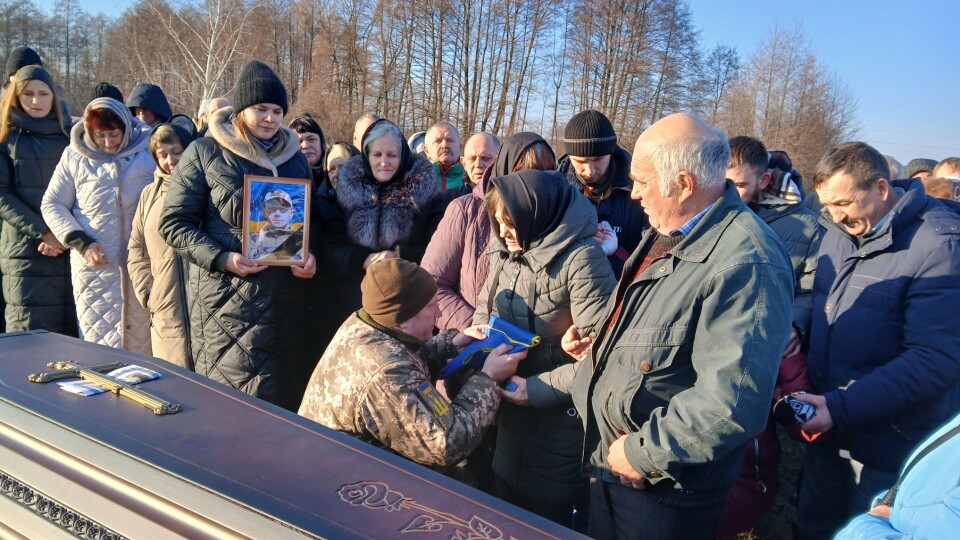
<point>159,278</point>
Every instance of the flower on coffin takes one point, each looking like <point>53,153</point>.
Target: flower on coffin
<point>376,495</point>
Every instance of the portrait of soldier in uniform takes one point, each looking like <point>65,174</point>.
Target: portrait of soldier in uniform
<point>275,223</point>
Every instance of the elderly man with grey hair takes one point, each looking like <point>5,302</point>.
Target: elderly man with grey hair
<point>681,373</point>
<point>442,146</point>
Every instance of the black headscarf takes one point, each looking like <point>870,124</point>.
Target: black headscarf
<point>536,202</point>
<point>407,159</point>
<point>512,150</point>
<point>306,123</point>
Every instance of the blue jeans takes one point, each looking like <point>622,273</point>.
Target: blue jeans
<point>833,489</point>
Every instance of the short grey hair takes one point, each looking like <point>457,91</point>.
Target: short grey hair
<point>704,157</point>
<point>380,130</point>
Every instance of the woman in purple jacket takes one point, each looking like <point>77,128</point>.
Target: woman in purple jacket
<point>454,256</point>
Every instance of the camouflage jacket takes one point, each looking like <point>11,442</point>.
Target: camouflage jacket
<point>374,387</point>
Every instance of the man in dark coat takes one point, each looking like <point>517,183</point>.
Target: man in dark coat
<point>883,343</point>
<point>148,103</point>
<point>600,169</point>
<point>681,372</point>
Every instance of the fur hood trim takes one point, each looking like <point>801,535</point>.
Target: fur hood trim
<point>379,216</point>
<point>221,130</point>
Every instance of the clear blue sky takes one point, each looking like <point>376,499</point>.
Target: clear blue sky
<point>900,59</point>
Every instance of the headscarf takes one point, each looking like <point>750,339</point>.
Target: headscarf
<point>512,150</point>
<point>185,138</point>
<point>407,158</point>
<point>116,108</point>
<point>536,202</point>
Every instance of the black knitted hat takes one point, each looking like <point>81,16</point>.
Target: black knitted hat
<point>106,89</point>
<point>22,56</point>
<point>589,134</point>
<point>258,84</point>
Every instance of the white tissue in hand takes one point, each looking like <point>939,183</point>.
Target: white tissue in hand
<point>609,242</point>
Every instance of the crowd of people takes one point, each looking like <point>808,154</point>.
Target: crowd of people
<point>678,292</point>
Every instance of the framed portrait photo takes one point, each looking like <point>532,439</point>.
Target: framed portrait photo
<point>276,220</point>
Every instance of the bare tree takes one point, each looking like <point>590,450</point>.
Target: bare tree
<point>787,99</point>
<point>720,69</point>
<point>208,35</point>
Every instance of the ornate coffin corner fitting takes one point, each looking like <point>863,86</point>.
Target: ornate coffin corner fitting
<point>54,511</point>
<point>378,496</point>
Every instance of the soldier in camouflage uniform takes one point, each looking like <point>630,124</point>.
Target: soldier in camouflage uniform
<point>277,239</point>
<point>375,380</point>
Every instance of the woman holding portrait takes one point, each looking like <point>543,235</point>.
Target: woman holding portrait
<point>247,320</point>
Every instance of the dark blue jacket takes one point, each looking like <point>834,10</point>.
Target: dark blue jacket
<point>885,337</point>
<point>624,214</point>
<point>150,97</point>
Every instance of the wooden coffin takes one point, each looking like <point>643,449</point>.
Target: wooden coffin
<point>226,466</point>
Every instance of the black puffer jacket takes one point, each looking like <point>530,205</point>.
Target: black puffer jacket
<point>37,288</point>
<point>246,332</point>
<point>615,206</point>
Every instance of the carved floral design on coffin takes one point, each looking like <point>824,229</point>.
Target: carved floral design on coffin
<point>379,496</point>
<point>53,510</point>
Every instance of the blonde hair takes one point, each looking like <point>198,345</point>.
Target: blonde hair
<point>248,138</point>
<point>11,100</point>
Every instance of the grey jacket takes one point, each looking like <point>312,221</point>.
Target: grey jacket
<point>564,279</point>
<point>799,229</point>
<point>687,371</point>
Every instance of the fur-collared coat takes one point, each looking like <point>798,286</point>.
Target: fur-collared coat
<point>383,216</point>
<point>401,215</point>
<point>246,332</point>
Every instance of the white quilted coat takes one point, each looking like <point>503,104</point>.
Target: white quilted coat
<point>97,193</point>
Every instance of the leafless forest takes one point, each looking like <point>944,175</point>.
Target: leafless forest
<point>496,65</point>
